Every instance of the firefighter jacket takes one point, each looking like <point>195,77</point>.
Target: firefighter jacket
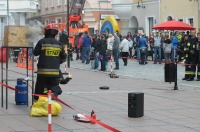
<point>197,50</point>
<point>193,42</point>
<point>51,53</point>
<point>186,48</point>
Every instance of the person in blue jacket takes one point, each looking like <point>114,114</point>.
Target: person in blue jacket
<point>175,42</point>
<point>142,43</point>
<point>86,43</point>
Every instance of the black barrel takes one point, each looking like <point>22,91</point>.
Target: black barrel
<point>170,72</point>
<point>135,104</point>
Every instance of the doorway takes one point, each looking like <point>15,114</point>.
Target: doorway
<point>150,25</point>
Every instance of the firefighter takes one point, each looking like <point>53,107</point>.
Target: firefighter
<point>186,46</point>
<point>193,42</point>
<point>51,53</point>
<point>181,47</point>
<point>197,52</point>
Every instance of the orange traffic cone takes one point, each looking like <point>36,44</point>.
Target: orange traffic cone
<point>18,61</point>
<point>23,62</point>
<point>30,67</point>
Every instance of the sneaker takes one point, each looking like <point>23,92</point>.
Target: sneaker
<point>198,79</point>
<point>116,68</point>
<point>154,63</point>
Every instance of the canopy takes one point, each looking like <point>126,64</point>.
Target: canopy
<point>173,25</point>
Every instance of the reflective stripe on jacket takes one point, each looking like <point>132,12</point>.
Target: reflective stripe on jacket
<point>51,54</point>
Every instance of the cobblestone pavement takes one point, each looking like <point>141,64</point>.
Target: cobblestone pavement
<point>153,72</point>
<point>165,109</point>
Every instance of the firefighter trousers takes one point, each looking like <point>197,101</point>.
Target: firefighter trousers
<point>51,83</point>
<point>188,72</point>
<point>195,66</point>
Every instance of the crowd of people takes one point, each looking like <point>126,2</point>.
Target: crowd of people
<point>160,46</point>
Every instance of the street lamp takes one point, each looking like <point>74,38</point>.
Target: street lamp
<point>138,5</point>
<point>68,57</point>
<point>8,12</point>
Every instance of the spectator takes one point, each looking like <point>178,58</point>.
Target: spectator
<point>102,53</point>
<point>124,46</point>
<point>143,48</point>
<point>119,35</point>
<point>138,47</point>
<point>130,47</point>
<point>87,42</point>
<point>157,49</point>
<point>167,48</point>
<point>175,42</point>
<point>151,42</point>
<point>129,35</point>
<point>116,51</point>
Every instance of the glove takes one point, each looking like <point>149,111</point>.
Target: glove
<point>65,81</point>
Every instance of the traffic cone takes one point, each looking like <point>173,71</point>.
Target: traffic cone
<point>30,67</point>
<point>18,61</point>
<point>23,62</point>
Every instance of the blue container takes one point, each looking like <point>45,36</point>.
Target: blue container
<point>21,96</point>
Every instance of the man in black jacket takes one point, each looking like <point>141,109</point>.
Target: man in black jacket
<point>51,53</point>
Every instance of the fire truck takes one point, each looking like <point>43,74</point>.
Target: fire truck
<point>75,27</point>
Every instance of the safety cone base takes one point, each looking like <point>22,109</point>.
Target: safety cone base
<point>113,75</point>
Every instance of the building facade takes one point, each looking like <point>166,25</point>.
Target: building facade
<point>144,14</point>
<point>137,14</point>
<point>182,10</point>
<point>14,12</point>
<point>56,11</point>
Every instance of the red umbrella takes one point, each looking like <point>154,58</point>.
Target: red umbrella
<point>173,25</point>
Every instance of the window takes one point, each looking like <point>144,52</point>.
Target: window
<point>191,21</point>
<point>169,18</point>
<point>47,3</point>
<point>59,2</point>
<point>52,3</point>
<point>180,20</point>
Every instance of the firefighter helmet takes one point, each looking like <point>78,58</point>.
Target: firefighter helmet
<point>51,26</point>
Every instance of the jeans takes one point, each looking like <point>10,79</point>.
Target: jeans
<point>143,56</point>
<point>130,52</point>
<point>103,62</point>
<point>138,54</point>
<point>86,54</point>
<point>167,57</point>
<point>174,54</point>
<point>157,57</point>
<point>116,57</point>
